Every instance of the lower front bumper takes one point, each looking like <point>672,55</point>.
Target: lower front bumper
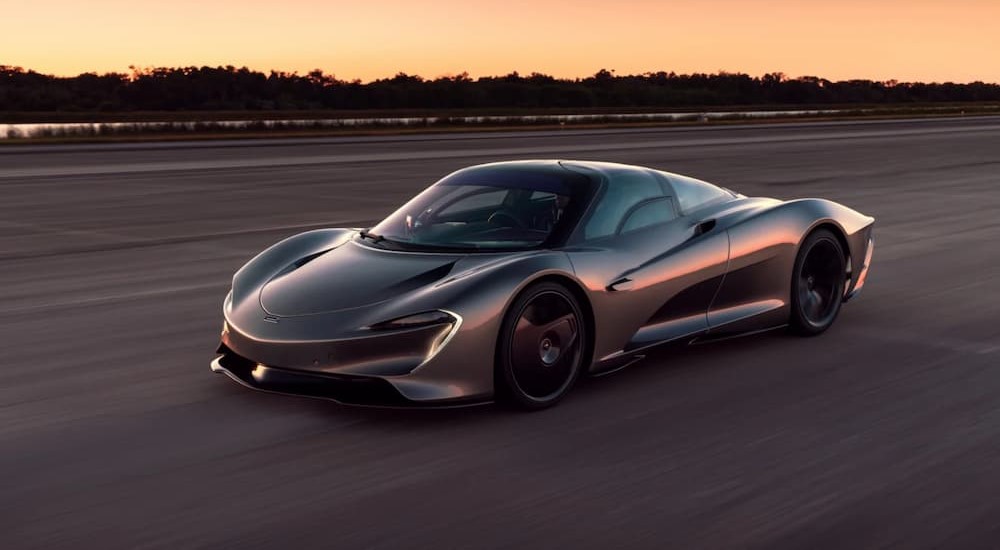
<point>344,389</point>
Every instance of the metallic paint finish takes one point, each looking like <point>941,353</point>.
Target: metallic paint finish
<point>307,305</point>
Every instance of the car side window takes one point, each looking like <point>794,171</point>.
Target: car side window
<point>693,194</point>
<point>621,197</point>
<point>654,211</point>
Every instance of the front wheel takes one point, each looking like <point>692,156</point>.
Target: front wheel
<point>818,282</point>
<point>541,347</point>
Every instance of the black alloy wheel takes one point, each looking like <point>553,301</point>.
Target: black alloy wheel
<point>818,283</point>
<point>541,347</point>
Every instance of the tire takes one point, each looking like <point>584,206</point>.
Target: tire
<point>818,281</point>
<point>540,349</point>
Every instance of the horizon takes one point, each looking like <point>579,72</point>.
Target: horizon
<point>523,74</point>
<point>905,41</point>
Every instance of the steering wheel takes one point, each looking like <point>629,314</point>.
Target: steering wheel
<point>501,217</point>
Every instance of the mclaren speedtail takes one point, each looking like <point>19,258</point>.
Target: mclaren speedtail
<point>509,281</point>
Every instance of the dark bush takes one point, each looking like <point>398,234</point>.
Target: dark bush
<point>241,89</point>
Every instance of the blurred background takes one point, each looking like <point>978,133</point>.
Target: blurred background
<point>148,150</point>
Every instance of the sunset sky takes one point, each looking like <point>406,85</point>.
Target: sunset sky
<point>928,40</point>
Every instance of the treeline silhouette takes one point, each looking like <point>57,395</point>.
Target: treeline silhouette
<point>231,88</point>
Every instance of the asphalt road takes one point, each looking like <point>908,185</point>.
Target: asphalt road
<point>884,432</point>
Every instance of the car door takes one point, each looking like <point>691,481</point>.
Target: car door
<point>652,270</point>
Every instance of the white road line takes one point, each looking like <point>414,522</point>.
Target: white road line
<point>946,343</point>
<point>179,239</point>
<point>40,228</point>
<point>195,165</point>
<point>111,298</point>
<point>237,142</point>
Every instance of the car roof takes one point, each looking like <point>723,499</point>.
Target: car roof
<point>596,170</point>
<point>608,169</point>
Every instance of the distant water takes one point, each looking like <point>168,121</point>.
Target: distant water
<point>71,129</point>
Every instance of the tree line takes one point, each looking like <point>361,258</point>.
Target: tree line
<point>231,88</point>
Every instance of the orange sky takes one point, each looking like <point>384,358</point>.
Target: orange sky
<point>929,40</point>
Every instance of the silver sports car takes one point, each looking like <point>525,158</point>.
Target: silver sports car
<point>510,280</point>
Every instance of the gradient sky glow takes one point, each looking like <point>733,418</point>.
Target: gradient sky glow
<point>928,40</point>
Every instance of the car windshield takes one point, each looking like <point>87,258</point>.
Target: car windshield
<point>481,212</point>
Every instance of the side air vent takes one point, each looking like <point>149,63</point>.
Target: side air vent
<point>426,278</point>
<point>303,261</point>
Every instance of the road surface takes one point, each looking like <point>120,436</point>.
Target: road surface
<point>114,260</point>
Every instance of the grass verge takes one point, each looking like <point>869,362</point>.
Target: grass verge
<point>200,125</point>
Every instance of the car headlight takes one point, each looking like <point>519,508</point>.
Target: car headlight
<point>417,320</point>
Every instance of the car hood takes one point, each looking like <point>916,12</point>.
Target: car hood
<point>351,276</point>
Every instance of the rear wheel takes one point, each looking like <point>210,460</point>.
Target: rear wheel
<point>541,347</point>
<point>818,283</point>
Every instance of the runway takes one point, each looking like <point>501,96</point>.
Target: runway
<point>114,260</point>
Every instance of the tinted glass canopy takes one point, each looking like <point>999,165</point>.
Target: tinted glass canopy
<point>532,204</point>
<point>504,206</point>
<point>692,194</point>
